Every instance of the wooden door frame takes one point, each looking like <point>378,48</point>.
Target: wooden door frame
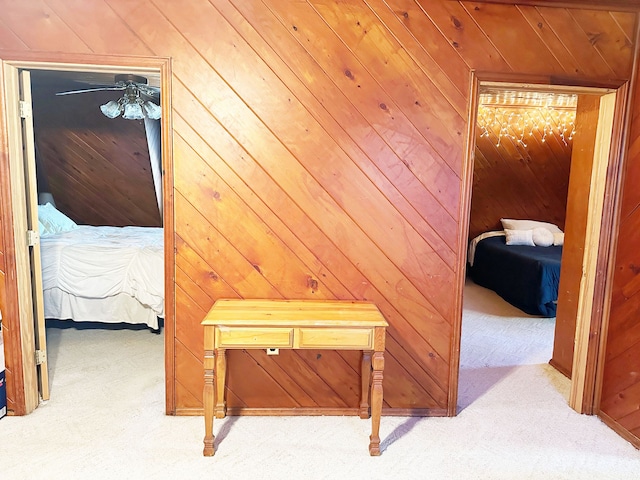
<point>590,330</point>
<point>613,247</point>
<point>19,344</point>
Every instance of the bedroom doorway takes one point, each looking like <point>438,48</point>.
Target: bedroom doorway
<point>159,68</point>
<point>588,211</point>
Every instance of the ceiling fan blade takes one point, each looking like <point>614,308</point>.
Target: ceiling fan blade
<point>71,92</point>
<point>149,91</point>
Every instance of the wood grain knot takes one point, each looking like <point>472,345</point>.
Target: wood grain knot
<point>312,283</point>
<point>594,37</point>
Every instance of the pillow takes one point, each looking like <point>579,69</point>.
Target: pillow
<point>558,239</point>
<point>41,228</point>
<point>511,224</point>
<point>53,220</point>
<point>519,237</point>
<point>542,237</point>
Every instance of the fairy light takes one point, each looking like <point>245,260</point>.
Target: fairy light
<point>519,115</point>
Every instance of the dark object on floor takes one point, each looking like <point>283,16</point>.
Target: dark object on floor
<point>103,326</point>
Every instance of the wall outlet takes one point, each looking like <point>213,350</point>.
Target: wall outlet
<point>273,351</point>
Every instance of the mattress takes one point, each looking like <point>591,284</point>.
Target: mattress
<point>105,274</point>
<point>525,276</point>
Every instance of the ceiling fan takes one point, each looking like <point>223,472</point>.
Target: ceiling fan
<point>131,105</point>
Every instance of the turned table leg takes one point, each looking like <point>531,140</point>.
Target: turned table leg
<point>376,403</point>
<point>365,375</point>
<point>221,374</point>
<point>208,401</point>
<point>377,363</point>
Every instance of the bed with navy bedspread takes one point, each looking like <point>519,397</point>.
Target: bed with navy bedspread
<point>525,276</point>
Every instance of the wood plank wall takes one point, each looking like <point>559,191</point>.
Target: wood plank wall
<point>514,181</point>
<point>97,168</point>
<point>620,396</point>
<point>318,150</point>
<point>6,327</point>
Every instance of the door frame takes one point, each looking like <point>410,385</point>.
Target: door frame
<point>20,342</point>
<point>593,300</point>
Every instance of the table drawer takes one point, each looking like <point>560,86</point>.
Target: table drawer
<point>254,337</point>
<point>339,338</point>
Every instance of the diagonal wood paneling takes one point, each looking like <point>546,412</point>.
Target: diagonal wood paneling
<point>620,395</point>
<point>6,332</point>
<point>318,154</point>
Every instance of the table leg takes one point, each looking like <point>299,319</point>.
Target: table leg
<point>365,375</point>
<point>208,402</point>
<point>221,374</point>
<point>376,402</point>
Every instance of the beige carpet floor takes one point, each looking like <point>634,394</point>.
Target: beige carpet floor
<point>105,420</point>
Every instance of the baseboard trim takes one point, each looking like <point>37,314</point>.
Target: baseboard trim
<point>562,370</point>
<point>620,430</point>
<point>309,412</point>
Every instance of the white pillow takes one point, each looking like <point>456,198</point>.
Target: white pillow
<point>519,237</point>
<point>41,228</point>
<point>542,237</point>
<point>508,223</point>
<point>54,221</point>
<point>558,239</point>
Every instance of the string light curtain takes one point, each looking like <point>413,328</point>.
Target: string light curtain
<point>519,116</point>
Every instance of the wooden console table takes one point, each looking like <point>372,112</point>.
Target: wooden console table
<point>291,324</point>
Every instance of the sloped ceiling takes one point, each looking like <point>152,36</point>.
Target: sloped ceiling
<point>97,168</point>
<point>524,174</point>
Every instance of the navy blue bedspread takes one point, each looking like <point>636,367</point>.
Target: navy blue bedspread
<point>526,277</point>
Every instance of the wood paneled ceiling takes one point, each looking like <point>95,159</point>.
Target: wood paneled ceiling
<point>522,157</point>
<point>497,97</point>
<point>97,168</point>
<point>74,79</point>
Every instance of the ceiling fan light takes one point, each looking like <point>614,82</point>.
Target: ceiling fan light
<point>152,110</point>
<point>110,109</point>
<point>133,111</point>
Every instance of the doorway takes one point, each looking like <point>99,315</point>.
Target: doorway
<point>23,356</point>
<point>592,202</point>
<point>94,172</point>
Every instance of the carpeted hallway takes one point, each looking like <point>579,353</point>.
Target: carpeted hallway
<point>106,419</point>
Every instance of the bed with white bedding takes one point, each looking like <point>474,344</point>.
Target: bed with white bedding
<point>104,274</point>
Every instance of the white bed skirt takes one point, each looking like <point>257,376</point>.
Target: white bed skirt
<point>120,308</point>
